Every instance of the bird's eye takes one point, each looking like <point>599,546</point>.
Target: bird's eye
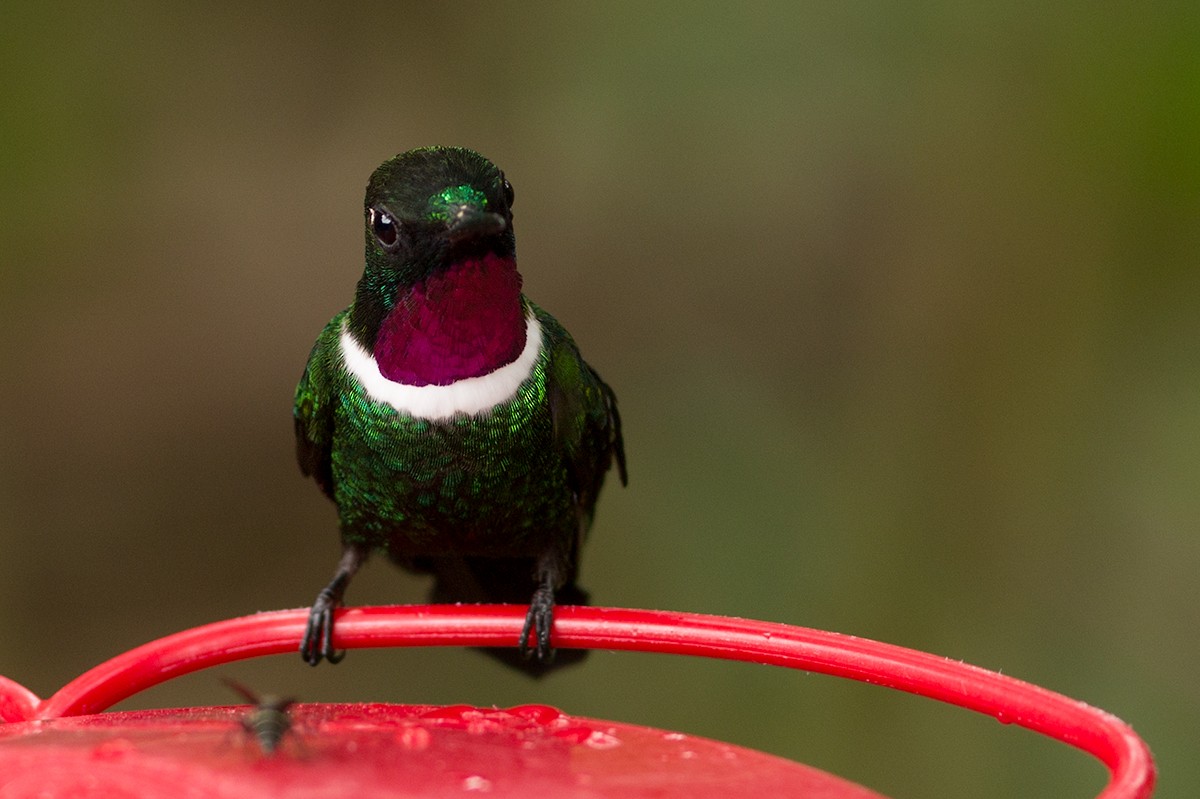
<point>508,192</point>
<point>385,228</point>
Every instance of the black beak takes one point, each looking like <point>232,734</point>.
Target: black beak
<point>469,222</point>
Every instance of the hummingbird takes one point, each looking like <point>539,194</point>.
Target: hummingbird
<point>451,420</point>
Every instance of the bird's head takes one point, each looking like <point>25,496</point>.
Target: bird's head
<point>428,208</point>
<point>440,263</point>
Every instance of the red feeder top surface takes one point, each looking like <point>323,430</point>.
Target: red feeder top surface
<point>376,750</point>
<point>38,741</point>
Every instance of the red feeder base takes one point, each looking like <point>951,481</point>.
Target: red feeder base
<point>56,748</point>
<point>380,750</point>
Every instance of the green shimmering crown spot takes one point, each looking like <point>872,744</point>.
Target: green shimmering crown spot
<point>447,201</point>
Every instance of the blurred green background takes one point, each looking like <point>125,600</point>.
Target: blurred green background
<point>901,302</point>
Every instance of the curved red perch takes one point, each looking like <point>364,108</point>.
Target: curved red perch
<point>17,703</point>
<point>1008,700</point>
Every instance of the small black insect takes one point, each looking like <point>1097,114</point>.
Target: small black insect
<point>269,721</point>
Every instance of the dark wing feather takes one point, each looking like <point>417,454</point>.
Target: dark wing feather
<point>613,427</point>
<point>587,425</point>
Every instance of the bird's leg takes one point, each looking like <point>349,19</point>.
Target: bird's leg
<point>540,618</point>
<point>318,635</point>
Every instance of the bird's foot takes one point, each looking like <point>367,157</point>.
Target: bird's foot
<point>538,622</point>
<point>318,635</point>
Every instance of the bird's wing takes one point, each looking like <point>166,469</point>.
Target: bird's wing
<point>587,426</point>
<point>314,407</point>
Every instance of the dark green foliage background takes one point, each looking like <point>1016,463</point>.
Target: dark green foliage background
<point>902,305</point>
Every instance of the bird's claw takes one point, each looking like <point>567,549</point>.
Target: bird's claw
<point>318,635</point>
<point>538,622</point>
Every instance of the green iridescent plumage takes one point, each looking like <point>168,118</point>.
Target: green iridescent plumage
<point>455,196</point>
<point>496,502</point>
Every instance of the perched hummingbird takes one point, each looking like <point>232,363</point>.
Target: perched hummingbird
<point>452,421</point>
